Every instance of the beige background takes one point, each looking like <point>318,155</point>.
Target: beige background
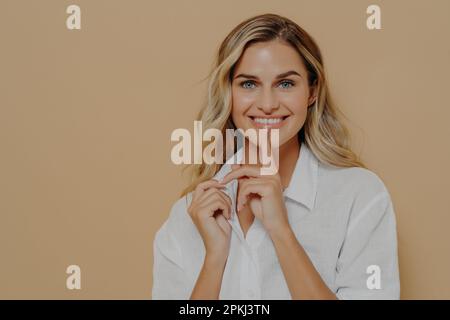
<point>86,118</point>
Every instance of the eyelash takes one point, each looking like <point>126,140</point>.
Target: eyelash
<point>284,81</point>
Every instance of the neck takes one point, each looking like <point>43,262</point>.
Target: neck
<point>288,156</point>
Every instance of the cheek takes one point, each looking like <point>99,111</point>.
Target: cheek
<point>297,102</point>
<point>299,108</point>
<point>240,103</point>
<point>241,100</point>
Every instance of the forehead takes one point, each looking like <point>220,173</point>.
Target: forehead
<point>270,57</point>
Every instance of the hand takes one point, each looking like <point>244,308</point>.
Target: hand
<point>208,210</point>
<point>264,194</point>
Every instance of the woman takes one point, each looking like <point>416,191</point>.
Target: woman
<point>322,227</point>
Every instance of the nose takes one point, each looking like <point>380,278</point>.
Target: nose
<point>267,101</point>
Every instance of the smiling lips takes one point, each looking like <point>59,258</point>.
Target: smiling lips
<point>268,122</point>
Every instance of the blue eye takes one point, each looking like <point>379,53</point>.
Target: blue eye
<point>244,83</point>
<point>290,83</point>
<point>285,84</point>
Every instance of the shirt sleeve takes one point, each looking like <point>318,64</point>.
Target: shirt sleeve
<point>169,276</point>
<point>367,266</point>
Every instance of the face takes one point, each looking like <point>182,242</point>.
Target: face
<point>270,90</point>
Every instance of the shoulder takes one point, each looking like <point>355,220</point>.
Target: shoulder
<point>178,223</point>
<point>352,182</point>
<point>178,210</point>
<point>362,192</point>
<point>178,238</point>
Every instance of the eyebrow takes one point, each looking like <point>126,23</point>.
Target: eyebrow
<point>284,74</point>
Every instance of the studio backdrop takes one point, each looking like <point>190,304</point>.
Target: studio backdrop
<point>88,104</point>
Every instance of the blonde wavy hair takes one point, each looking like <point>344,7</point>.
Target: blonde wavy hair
<point>323,131</point>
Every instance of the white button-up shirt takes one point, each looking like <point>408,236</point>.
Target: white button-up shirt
<point>342,217</point>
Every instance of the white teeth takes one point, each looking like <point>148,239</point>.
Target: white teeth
<point>268,121</point>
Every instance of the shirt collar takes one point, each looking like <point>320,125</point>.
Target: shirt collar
<point>303,185</point>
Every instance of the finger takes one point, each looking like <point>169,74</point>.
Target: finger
<point>203,186</point>
<point>228,200</point>
<point>253,186</point>
<point>214,203</point>
<point>222,195</point>
<point>244,191</point>
<point>213,190</point>
<point>206,194</point>
<point>211,209</point>
<point>223,223</point>
<point>244,170</point>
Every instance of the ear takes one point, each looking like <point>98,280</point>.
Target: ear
<point>312,95</point>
